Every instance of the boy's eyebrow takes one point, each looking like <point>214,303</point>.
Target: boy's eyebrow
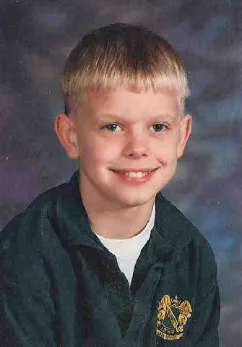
<point>108,116</point>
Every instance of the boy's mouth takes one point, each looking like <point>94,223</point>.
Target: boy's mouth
<point>135,170</point>
<point>140,174</point>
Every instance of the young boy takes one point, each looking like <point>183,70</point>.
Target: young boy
<point>105,260</point>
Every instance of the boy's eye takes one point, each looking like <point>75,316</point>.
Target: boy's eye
<point>109,126</point>
<point>112,125</point>
<point>161,127</point>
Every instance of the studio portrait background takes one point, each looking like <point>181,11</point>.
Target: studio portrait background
<point>36,38</point>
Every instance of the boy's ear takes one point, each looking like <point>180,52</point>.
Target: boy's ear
<point>184,133</point>
<point>65,130</point>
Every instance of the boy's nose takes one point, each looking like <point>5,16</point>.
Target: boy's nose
<point>137,149</point>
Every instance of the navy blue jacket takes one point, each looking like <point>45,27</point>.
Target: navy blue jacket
<point>60,286</point>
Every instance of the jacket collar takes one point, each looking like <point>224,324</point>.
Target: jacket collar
<point>74,228</point>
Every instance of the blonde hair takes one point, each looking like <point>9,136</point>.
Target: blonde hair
<point>123,54</point>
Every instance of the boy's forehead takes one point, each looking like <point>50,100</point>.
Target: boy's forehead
<point>107,105</point>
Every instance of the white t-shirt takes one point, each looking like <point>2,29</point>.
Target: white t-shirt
<point>127,251</point>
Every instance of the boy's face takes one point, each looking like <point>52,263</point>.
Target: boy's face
<point>124,130</point>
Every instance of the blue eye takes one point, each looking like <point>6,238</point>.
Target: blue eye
<point>109,125</point>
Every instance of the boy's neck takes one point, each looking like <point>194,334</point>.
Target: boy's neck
<point>117,224</point>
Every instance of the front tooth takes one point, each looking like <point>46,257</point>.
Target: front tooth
<point>136,174</point>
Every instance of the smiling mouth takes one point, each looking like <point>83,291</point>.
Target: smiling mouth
<point>143,171</point>
<point>137,176</point>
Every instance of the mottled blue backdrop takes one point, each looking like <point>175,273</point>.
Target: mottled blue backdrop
<point>35,39</point>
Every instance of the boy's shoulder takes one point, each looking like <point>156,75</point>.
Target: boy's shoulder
<point>54,218</point>
<point>180,232</point>
<point>34,218</point>
<point>176,226</point>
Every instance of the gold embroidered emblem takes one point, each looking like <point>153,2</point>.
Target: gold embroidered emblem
<point>172,317</point>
